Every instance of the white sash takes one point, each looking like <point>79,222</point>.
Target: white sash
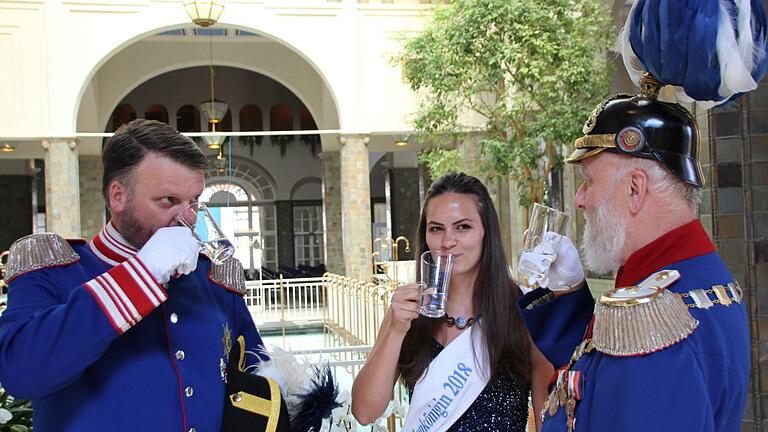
<point>452,382</point>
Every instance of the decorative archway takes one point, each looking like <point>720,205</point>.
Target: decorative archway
<point>242,199</point>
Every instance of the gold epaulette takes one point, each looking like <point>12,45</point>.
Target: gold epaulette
<point>38,251</point>
<point>642,319</point>
<point>229,275</point>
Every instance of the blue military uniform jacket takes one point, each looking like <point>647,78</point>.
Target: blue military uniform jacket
<point>698,384</point>
<point>97,344</point>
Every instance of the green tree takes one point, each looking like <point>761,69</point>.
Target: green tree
<point>530,70</point>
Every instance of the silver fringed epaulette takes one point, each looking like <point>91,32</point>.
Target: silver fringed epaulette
<point>38,251</point>
<point>642,319</point>
<point>229,275</point>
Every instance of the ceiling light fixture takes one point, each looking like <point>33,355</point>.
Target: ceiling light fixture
<point>206,13</point>
<point>401,140</point>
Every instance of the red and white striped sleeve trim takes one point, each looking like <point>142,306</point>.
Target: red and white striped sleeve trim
<point>126,293</point>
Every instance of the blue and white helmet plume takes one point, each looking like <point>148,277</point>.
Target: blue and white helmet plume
<point>711,50</point>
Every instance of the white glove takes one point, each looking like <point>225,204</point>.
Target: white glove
<point>170,250</point>
<point>554,263</point>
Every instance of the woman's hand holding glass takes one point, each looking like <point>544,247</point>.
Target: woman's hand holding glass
<point>404,307</point>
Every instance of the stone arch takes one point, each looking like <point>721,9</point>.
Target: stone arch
<point>249,175</point>
<point>122,114</point>
<point>305,185</point>
<point>156,112</point>
<point>139,76</point>
<point>188,118</point>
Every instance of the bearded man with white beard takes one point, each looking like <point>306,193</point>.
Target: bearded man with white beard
<point>668,348</point>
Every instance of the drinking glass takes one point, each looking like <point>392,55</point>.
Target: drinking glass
<point>213,242</point>
<point>435,278</point>
<point>543,220</point>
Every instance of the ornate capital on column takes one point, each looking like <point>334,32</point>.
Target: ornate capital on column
<point>73,143</point>
<point>344,138</point>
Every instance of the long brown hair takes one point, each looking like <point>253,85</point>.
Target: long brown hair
<point>494,299</point>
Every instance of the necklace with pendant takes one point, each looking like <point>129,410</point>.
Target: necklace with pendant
<point>460,322</point>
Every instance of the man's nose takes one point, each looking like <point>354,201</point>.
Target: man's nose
<point>186,215</point>
<point>579,201</point>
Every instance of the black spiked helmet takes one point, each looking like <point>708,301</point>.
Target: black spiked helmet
<point>644,127</point>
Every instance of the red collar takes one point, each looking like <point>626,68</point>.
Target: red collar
<point>110,246</point>
<point>686,241</point>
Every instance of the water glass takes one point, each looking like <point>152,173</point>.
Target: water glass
<point>206,230</point>
<point>435,279</point>
<point>543,220</point>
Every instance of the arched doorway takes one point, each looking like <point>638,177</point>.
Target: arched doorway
<point>243,202</point>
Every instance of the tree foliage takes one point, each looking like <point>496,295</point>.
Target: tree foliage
<point>530,70</point>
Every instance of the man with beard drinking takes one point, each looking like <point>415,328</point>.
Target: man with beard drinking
<point>132,330</point>
<point>668,349</point>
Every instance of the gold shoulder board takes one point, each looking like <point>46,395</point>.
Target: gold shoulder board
<point>229,275</point>
<point>642,319</point>
<point>38,251</point>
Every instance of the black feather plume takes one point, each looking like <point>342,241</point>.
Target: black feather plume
<point>318,402</point>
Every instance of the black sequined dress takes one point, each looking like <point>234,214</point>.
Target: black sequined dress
<point>502,406</point>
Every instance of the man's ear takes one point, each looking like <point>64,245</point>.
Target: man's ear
<point>638,190</point>
<point>117,195</point>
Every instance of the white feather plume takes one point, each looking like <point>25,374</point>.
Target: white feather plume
<point>737,57</point>
<point>290,373</point>
<point>746,41</point>
<point>735,76</point>
<point>632,63</point>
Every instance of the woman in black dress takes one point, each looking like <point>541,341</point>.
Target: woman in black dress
<point>459,218</point>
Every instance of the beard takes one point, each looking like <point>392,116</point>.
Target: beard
<point>132,229</point>
<point>603,240</point>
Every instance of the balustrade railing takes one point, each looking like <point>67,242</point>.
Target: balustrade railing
<point>345,362</point>
<point>355,308</point>
<point>285,300</point>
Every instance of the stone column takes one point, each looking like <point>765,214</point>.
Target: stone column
<point>424,183</point>
<point>332,237</point>
<point>356,207</point>
<point>92,206</point>
<point>470,157</point>
<point>62,187</point>
<point>386,163</point>
<point>518,222</point>
<point>504,200</point>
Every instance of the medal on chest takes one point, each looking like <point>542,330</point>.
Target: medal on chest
<point>568,387</point>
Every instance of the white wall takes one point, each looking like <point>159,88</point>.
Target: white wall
<point>59,58</point>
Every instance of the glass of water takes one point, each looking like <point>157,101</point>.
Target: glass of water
<point>435,278</point>
<point>543,220</point>
<point>206,230</point>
